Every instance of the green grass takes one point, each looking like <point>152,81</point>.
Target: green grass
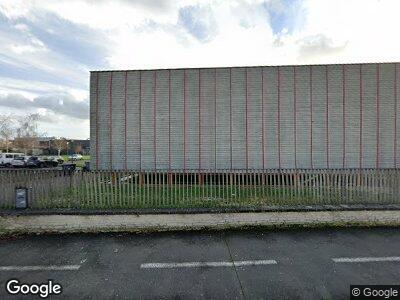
<point>130,196</point>
<point>79,163</point>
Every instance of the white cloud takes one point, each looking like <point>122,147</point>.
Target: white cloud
<point>61,104</point>
<point>37,88</point>
<point>24,49</point>
<point>367,28</point>
<point>326,32</point>
<point>148,33</point>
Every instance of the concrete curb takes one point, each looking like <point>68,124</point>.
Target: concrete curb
<point>211,210</point>
<point>12,224</point>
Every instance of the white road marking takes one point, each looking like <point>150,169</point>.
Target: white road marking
<point>41,268</point>
<point>364,259</point>
<point>239,263</point>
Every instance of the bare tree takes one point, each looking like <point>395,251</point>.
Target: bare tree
<point>27,132</point>
<point>7,129</point>
<point>60,144</point>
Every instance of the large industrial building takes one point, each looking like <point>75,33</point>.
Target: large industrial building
<point>314,116</point>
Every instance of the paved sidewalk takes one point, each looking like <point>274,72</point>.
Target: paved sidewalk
<point>166,222</point>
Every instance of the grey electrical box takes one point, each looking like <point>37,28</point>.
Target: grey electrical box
<point>21,198</point>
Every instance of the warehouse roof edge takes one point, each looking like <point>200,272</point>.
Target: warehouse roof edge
<point>255,66</point>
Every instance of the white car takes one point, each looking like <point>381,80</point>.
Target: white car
<point>58,159</point>
<point>7,158</point>
<point>75,157</point>
<point>19,162</point>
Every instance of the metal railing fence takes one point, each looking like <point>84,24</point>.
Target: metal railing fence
<point>53,189</point>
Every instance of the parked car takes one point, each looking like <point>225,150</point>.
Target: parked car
<point>7,158</point>
<point>19,162</point>
<point>58,159</point>
<point>75,157</point>
<point>35,162</point>
<point>52,161</point>
<point>41,162</point>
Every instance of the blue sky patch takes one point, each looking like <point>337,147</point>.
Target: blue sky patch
<point>198,21</point>
<point>284,14</point>
<point>75,41</point>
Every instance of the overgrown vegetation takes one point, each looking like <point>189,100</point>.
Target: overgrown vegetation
<point>79,163</point>
<point>130,196</point>
<point>52,189</point>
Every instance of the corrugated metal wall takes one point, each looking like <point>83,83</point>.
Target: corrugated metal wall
<point>322,116</point>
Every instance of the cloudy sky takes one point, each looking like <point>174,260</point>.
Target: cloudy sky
<point>48,47</point>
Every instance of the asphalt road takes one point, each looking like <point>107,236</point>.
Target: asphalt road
<point>307,264</point>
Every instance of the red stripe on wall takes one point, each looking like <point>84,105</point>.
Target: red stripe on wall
<point>247,144</point>
<point>262,118</point>
<point>155,119</point>
<point>279,118</point>
<point>377,115</point>
<point>125,115</point>
<point>395,117</point>
<point>215,119</point>
<point>311,120</point>
<point>169,120</point>
<point>295,116</point>
<point>327,116</point>
<point>361,118</point>
<point>110,117</point>
<point>140,120</point>
<point>184,119</point>
<point>344,114</point>
<point>230,114</point>
<point>97,121</point>
<point>199,119</point>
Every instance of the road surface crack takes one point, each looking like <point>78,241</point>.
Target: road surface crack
<point>234,266</point>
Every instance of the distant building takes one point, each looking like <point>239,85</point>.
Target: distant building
<point>314,116</point>
<point>46,146</point>
<point>79,146</point>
